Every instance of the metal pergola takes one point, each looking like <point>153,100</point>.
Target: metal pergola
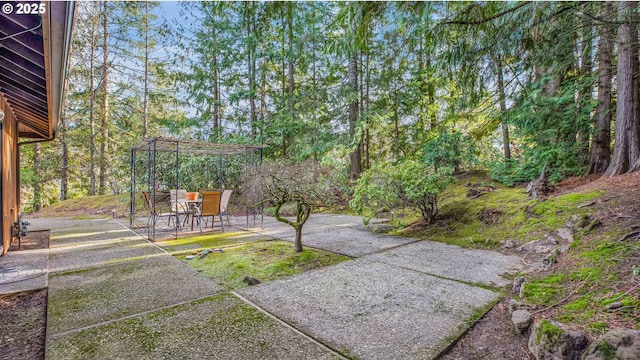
<point>154,158</point>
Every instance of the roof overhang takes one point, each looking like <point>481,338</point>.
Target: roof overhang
<point>34,51</point>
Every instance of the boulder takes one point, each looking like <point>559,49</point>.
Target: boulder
<point>550,340</point>
<point>576,222</point>
<point>620,344</point>
<point>509,244</point>
<point>521,320</point>
<point>517,305</point>
<point>517,284</point>
<point>565,234</point>
<point>541,249</point>
<point>546,263</point>
<point>530,245</point>
<point>251,280</point>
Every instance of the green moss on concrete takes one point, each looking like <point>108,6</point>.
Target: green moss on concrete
<point>220,325</point>
<point>264,260</point>
<point>207,241</point>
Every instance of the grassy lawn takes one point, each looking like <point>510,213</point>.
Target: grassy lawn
<point>263,260</point>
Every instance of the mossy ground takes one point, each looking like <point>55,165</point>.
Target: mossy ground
<point>263,260</point>
<point>593,274</point>
<point>207,241</point>
<point>89,207</point>
<point>505,213</point>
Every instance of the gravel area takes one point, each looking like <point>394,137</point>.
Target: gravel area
<point>373,310</point>
<point>453,262</point>
<point>86,297</point>
<point>219,327</point>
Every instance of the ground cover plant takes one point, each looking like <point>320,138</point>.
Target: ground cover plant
<point>262,260</point>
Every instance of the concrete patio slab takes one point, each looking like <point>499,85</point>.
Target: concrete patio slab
<point>373,310</point>
<point>97,252</point>
<point>453,262</point>
<point>23,270</point>
<point>341,234</point>
<point>111,292</point>
<point>219,327</point>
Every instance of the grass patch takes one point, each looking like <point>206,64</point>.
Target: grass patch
<point>263,260</point>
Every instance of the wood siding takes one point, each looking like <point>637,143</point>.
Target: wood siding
<point>10,168</point>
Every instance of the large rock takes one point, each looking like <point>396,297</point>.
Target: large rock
<point>549,340</point>
<point>517,284</point>
<point>517,305</point>
<point>521,320</point>
<point>565,234</point>
<point>576,222</point>
<point>619,344</point>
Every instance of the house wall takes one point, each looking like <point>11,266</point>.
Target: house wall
<point>10,168</point>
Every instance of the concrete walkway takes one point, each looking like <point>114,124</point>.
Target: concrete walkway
<point>113,295</point>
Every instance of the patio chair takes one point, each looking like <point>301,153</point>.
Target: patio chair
<point>158,205</point>
<point>224,202</point>
<point>210,207</point>
<point>179,206</point>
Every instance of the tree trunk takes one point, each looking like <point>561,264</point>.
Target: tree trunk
<point>352,75</point>
<point>251,66</point>
<point>92,120</point>
<point>352,82</point>
<point>216,99</point>
<point>263,90</point>
<point>104,145</point>
<point>626,151</point>
<point>367,138</point>
<point>37,189</point>
<point>298,241</point>
<point>503,110</point>
<point>291,71</point>
<point>64,166</point>
<point>284,82</point>
<point>601,141</point>
<point>145,102</point>
<point>432,96</point>
<point>584,91</point>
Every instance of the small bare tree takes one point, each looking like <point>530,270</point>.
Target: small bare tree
<point>304,184</point>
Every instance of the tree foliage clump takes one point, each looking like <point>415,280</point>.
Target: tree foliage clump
<point>450,149</point>
<point>405,183</point>
<point>305,184</point>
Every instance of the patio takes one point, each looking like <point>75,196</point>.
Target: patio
<point>171,183</point>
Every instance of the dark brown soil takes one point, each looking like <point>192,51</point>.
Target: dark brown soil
<point>33,240</point>
<point>23,324</point>
<point>492,337</point>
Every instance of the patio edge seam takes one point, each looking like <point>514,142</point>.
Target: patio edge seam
<point>289,326</point>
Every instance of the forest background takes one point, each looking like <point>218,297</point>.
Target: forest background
<point>360,87</point>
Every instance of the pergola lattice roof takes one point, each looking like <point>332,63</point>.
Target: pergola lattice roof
<point>165,144</point>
